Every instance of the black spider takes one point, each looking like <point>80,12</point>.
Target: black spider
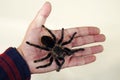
<point>56,49</point>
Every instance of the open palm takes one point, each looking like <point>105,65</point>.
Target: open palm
<point>85,35</point>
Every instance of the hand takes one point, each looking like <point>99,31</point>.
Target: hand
<point>85,35</point>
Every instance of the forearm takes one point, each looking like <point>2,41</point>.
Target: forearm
<point>13,66</point>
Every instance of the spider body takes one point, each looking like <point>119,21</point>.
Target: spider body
<point>57,50</point>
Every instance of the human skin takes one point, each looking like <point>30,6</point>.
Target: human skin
<point>85,35</point>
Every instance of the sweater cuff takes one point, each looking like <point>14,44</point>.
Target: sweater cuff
<point>17,64</point>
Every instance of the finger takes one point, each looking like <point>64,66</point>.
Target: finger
<point>87,40</point>
<point>42,15</point>
<point>90,50</point>
<point>77,60</point>
<point>81,31</point>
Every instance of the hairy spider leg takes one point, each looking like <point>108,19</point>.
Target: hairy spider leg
<point>62,36</point>
<point>54,38</point>
<point>59,63</point>
<point>43,66</point>
<point>70,52</point>
<point>46,57</point>
<point>37,46</point>
<point>76,50</point>
<point>67,42</point>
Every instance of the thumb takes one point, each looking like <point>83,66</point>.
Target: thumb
<point>42,15</point>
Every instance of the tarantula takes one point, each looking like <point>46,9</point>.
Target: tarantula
<point>57,50</point>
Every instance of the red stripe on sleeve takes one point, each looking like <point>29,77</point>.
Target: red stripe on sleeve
<point>12,65</point>
<point>7,69</point>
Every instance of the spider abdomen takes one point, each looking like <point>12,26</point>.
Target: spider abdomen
<point>48,41</point>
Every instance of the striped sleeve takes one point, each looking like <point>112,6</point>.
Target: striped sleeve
<point>13,66</point>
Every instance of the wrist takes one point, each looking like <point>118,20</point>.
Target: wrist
<point>20,52</point>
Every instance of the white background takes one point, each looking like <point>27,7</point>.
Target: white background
<point>15,16</point>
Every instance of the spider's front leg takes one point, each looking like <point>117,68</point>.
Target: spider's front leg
<point>69,41</point>
<point>62,36</point>
<point>59,62</point>
<point>72,51</point>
